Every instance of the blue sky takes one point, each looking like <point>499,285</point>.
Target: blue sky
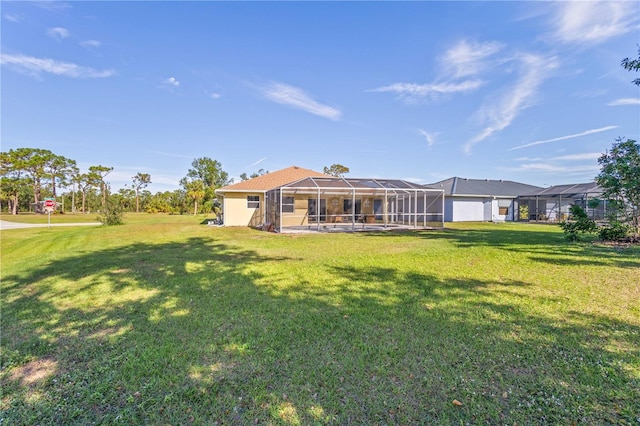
<point>525,91</point>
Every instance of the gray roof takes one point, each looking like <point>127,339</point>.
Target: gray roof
<point>498,188</point>
<point>570,190</point>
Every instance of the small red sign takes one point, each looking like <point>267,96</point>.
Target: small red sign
<point>49,203</point>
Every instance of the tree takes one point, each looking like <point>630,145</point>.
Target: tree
<point>243,176</point>
<point>140,180</point>
<point>620,178</point>
<point>195,190</point>
<point>209,172</point>
<point>337,170</point>
<point>85,182</point>
<point>33,167</point>
<point>13,178</point>
<point>126,197</point>
<point>96,176</point>
<point>11,188</point>
<point>31,162</point>
<point>258,173</point>
<point>59,168</point>
<point>632,65</point>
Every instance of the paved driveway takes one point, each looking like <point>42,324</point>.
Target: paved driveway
<point>15,225</point>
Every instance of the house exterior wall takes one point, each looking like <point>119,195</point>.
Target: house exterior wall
<point>236,212</point>
<point>502,203</point>
<point>470,209</point>
<point>488,209</point>
<point>334,208</point>
<point>299,215</point>
<point>478,209</point>
<point>448,209</point>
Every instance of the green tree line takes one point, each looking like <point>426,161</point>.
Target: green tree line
<point>29,175</point>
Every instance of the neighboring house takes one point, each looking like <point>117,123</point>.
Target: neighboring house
<point>243,202</point>
<point>552,204</point>
<point>481,199</point>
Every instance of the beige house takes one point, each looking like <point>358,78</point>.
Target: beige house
<point>315,201</point>
<point>243,203</point>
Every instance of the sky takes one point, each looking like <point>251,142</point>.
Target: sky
<point>526,91</point>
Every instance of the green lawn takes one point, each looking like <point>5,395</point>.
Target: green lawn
<point>166,321</point>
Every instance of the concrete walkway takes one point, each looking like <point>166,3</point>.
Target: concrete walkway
<point>4,225</point>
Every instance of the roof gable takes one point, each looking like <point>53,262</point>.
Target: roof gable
<point>271,180</point>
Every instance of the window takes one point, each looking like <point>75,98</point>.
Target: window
<point>503,207</point>
<point>253,201</point>
<point>288,204</point>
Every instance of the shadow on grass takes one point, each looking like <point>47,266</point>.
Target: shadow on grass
<point>204,331</point>
<point>542,244</point>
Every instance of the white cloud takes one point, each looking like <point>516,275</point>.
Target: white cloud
<point>12,18</point>
<point>500,115</point>
<point>171,82</point>
<point>58,33</point>
<point>625,101</point>
<point>299,99</point>
<point>35,66</point>
<point>594,21</point>
<point>52,5</point>
<point>467,58</point>
<point>90,44</point>
<point>463,60</point>
<point>562,138</point>
<point>430,137</point>
<point>258,162</point>
<point>560,165</point>
<point>578,157</point>
<point>411,91</point>
<point>215,95</point>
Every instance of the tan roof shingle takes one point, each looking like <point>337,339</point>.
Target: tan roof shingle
<point>272,180</point>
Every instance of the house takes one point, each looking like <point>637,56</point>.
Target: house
<point>552,204</point>
<point>481,199</point>
<point>243,202</point>
<point>296,199</point>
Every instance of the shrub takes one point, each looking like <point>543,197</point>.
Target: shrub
<point>614,231</point>
<point>578,223</point>
<point>113,213</point>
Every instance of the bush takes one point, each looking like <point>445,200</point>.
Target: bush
<point>113,213</point>
<point>578,223</point>
<point>614,231</point>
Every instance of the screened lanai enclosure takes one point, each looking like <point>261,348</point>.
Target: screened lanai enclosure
<point>346,204</point>
<point>552,204</point>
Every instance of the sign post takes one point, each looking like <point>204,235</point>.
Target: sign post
<point>49,206</point>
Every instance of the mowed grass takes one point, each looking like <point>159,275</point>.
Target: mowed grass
<point>167,321</point>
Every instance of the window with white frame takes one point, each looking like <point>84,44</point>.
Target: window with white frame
<point>253,201</point>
